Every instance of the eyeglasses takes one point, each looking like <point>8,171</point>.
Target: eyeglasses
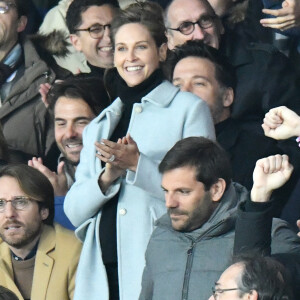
<point>18,203</point>
<point>188,27</point>
<point>96,31</point>
<point>216,292</point>
<point>5,6</point>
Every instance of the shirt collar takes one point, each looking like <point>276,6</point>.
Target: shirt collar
<point>31,254</point>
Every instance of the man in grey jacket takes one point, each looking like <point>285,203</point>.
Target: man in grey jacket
<point>193,244</point>
<point>24,65</point>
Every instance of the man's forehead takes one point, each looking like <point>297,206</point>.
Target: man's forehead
<point>187,10</point>
<point>231,275</point>
<point>97,12</point>
<point>65,104</point>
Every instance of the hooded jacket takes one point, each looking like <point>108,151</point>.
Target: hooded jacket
<point>186,265</point>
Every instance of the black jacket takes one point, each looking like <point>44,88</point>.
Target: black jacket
<point>258,217</point>
<point>265,78</point>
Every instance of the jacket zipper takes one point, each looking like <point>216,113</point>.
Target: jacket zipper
<point>187,274</point>
<point>189,263</point>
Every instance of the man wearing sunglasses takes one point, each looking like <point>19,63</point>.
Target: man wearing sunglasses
<point>265,78</point>
<point>38,259</point>
<point>89,22</point>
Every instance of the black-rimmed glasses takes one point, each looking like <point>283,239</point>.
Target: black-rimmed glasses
<point>188,27</point>
<point>216,292</point>
<point>96,31</point>
<point>5,6</point>
<point>18,203</point>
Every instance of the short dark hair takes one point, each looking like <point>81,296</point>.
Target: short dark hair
<point>77,7</point>
<point>225,73</point>
<point>34,184</point>
<point>148,14</point>
<point>6,294</point>
<point>207,157</point>
<point>22,7</point>
<point>265,275</point>
<point>89,89</point>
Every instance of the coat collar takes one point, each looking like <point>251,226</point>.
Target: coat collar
<point>222,219</point>
<point>166,91</point>
<point>43,263</point>
<point>36,72</point>
<point>161,96</point>
<point>42,269</point>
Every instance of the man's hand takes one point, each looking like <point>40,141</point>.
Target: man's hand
<point>281,123</point>
<point>287,17</point>
<point>58,180</point>
<point>44,90</point>
<point>270,173</point>
<point>298,224</point>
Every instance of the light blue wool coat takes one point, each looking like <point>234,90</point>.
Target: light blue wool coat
<point>163,117</point>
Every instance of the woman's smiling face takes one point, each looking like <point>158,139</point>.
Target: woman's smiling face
<point>136,54</point>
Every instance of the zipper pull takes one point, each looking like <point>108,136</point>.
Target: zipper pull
<point>190,251</point>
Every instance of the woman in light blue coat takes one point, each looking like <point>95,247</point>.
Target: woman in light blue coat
<point>116,205</point>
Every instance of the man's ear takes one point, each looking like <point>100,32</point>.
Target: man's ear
<point>22,22</point>
<point>44,213</point>
<point>217,190</point>
<point>228,97</point>
<point>162,52</point>
<point>75,40</point>
<point>170,38</point>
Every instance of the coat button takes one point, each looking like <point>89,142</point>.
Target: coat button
<point>138,109</point>
<point>122,211</point>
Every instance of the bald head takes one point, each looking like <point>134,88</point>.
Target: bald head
<point>179,12</point>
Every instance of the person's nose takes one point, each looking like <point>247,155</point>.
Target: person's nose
<point>198,33</point>
<point>106,35</point>
<point>186,87</point>
<point>9,211</point>
<point>171,201</point>
<point>70,131</point>
<point>131,55</point>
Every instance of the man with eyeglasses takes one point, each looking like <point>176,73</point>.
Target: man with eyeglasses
<point>89,22</point>
<point>38,259</point>
<point>193,243</point>
<point>253,277</point>
<point>265,78</point>
<point>24,65</point>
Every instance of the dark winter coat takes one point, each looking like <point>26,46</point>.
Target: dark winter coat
<point>24,118</point>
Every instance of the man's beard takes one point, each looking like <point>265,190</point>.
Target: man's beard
<point>29,234</point>
<point>66,154</point>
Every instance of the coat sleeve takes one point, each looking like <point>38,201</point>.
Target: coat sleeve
<point>260,222</point>
<point>85,198</point>
<point>198,122</point>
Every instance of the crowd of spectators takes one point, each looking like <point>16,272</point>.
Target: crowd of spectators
<point>149,149</point>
